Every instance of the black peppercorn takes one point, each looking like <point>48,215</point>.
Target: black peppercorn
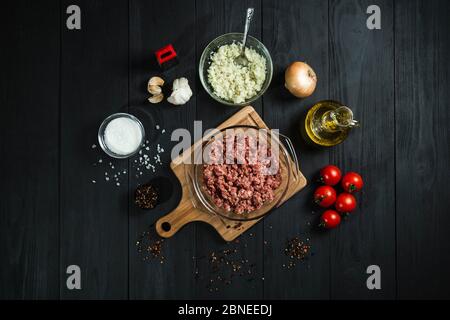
<point>146,196</point>
<point>296,249</point>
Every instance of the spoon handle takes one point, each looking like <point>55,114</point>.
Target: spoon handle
<point>248,19</point>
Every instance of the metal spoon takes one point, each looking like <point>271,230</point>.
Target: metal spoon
<point>242,59</point>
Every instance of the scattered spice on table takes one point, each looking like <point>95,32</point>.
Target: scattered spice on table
<point>146,196</point>
<point>221,268</point>
<point>147,159</point>
<point>110,173</point>
<point>150,246</point>
<point>225,265</point>
<point>296,250</point>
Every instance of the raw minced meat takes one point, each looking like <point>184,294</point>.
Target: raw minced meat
<point>243,180</point>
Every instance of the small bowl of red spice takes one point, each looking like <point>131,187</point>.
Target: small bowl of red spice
<point>146,196</point>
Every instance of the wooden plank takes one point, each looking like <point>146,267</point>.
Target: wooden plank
<point>154,24</point>
<point>94,221</point>
<point>422,48</point>
<point>215,18</point>
<point>295,31</point>
<point>29,63</point>
<point>362,77</point>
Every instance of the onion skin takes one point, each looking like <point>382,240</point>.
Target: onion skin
<point>300,79</point>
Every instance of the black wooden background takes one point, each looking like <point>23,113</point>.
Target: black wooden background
<point>57,85</point>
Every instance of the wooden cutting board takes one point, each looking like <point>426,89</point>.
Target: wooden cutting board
<point>186,212</point>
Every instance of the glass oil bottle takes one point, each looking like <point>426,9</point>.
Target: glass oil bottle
<point>328,123</point>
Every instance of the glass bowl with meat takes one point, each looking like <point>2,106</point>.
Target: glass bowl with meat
<point>242,172</point>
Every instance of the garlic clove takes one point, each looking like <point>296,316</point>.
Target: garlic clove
<point>155,90</point>
<point>156,81</point>
<point>156,98</point>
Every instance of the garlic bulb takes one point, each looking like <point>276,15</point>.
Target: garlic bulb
<point>181,92</point>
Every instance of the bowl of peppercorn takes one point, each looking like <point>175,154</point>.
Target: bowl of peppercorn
<point>146,196</point>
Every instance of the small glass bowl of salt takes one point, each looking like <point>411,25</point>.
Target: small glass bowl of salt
<point>121,135</point>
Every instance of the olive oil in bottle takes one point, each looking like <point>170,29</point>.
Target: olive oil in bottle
<point>327,123</point>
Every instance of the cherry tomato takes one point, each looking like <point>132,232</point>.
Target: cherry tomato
<point>352,182</point>
<point>325,196</point>
<point>330,219</point>
<point>345,202</point>
<point>330,175</point>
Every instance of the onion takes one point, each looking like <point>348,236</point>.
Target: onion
<point>300,79</point>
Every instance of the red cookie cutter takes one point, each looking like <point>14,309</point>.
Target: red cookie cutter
<point>166,54</point>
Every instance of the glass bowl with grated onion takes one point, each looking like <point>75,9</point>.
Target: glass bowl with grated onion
<point>229,83</point>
